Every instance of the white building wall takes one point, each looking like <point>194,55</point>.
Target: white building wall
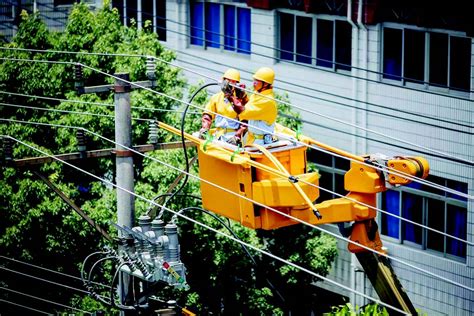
<point>322,96</point>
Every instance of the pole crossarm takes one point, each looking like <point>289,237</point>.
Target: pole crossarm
<point>99,153</point>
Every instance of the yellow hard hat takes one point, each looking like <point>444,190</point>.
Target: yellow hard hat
<point>232,74</point>
<point>265,74</point>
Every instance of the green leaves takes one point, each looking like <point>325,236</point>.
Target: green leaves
<point>368,310</point>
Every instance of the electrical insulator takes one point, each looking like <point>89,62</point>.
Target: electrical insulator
<point>150,68</point>
<point>8,149</point>
<point>145,223</point>
<point>143,269</point>
<point>78,72</point>
<point>152,132</point>
<point>171,231</point>
<point>81,143</point>
<point>158,226</point>
<point>78,79</point>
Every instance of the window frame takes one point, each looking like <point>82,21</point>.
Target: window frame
<point>69,4</point>
<point>314,39</point>
<point>222,45</point>
<point>426,85</point>
<point>332,169</point>
<point>10,12</point>
<point>426,196</point>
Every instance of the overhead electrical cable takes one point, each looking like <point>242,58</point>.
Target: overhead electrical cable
<point>210,228</point>
<point>257,203</point>
<point>264,96</point>
<point>436,120</point>
<point>69,112</point>
<point>45,300</point>
<point>243,197</point>
<point>283,102</point>
<point>315,58</point>
<point>312,96</point>
<point>191,112</point>
<point>284,214</point>
<point>90,103</point>
<point>45,269</point>
<point>26,307</point>
<point>44,280</point>
<point>344,157</point>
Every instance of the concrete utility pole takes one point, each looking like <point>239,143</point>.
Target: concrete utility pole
<point>124,168</point>
<point>123,158</point>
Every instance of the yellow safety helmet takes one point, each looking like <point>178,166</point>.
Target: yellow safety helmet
<point>232,74</point>
<point>265,74</point>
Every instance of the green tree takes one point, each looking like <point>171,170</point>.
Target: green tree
<point>40,228</point>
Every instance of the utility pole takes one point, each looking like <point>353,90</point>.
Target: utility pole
<point>124,168</point>
<point>123,158</point>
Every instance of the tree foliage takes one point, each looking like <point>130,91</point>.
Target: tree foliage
<point>38,227</point>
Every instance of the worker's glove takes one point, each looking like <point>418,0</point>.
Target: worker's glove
<point>237,104</point>
<point>242,129</point>
<point>203,133</point>
<point>206,122</point>
<point>240,91</point>
<point>234,140</point>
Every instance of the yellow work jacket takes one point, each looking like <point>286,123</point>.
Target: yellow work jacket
<point>220,105</point>
<point>261,107</point>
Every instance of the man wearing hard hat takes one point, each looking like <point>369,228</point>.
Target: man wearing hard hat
<point>261,108</point>
<point>220,110</point>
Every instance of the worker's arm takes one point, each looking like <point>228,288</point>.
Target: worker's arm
<point>260,108</point>
<point>208,116</point>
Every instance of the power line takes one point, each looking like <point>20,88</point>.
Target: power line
<point>415,179</point>
<point>45,300</point>
<point>260,204</point>
<point>462,124</point>
<point>212,229</point>
<point>394,172</point>
<point>301,180</point>
<point>26,307</point>
<point>291,52</point>
<point>89,102</point>
<point>190,112</point>
<point>68,112</point>
<point>283,102</point>
<point>383,169</point>
<point>250,200</point>
<point>374,140</point>
<point>49,270</point>
<point>312,66</point>
<point>309,146</point>
<point>286,82</point>
<point>37,60</point>
<point>44,280</point>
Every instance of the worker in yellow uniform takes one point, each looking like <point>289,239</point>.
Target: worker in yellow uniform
<point>220,110</point>
<point>261,108</point>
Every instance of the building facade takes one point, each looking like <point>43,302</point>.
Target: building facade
<point>390,77</point>
<point>395,78</point>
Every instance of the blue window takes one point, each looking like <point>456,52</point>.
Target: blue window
<point>197,23</point>
<point>243,31</point>
<point>437,59</point>
<point>287,35</point>
<point>324,47</point>
<point>220,26</point>
<point>431,207</point>
<point>212,20</point>
<point>229,27</point>
<point>392,54</point>
<point>308,40</point>
<point>332,170</point>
